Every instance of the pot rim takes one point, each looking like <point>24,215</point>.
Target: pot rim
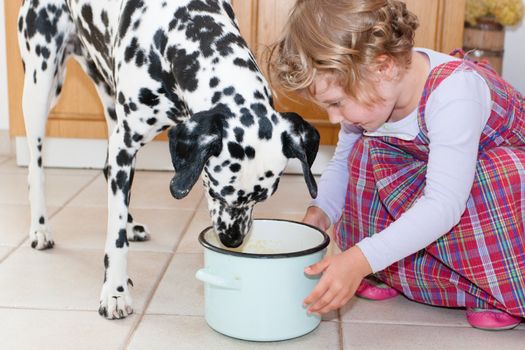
<point>319,247</point>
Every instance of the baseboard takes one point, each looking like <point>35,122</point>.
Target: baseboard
<point>91,154</point>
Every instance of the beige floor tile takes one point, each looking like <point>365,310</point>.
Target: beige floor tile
<point>190,240</point>
<point>400,310</point>
<point>189,332</point>
<point>59,188</point>
<point>179,292</point>
<point>85,227</point>
<point>69,279</point>
<point>150,190</point>
<point>395,337</point>
<point>15,222</point>
<point>23,329</point>
<point>4,159</point>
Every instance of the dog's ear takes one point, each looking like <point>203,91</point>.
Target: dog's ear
<point>192,143</point>
<point>302,142</point>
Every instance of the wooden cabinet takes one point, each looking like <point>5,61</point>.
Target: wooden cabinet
<point>79,113</point>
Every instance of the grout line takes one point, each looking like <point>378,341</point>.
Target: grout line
<point>390,323</point>
<point>149,298</point>
<point>340,330</point>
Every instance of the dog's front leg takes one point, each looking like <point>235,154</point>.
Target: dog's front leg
<point>115,298</point>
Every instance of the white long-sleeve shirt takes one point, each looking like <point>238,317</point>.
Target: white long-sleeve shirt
<point>456,113</point>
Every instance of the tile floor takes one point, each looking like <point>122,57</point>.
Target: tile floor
<point>48,299</point>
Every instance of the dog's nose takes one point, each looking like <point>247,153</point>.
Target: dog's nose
<point>231,241</point>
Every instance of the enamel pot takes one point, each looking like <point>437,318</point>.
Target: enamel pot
<point>256,292</point>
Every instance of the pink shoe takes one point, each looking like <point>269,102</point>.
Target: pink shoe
<point>491,319</point>
<point>372,290</point>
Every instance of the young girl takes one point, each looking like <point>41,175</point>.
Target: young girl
<point>427,185</point>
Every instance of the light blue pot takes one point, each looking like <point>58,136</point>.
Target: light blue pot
<point>256,292</point>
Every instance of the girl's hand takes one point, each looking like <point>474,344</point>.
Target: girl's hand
<point>342,275</point>
<point>316,217</point>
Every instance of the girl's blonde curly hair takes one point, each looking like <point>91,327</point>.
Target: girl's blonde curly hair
<point>344,38</point>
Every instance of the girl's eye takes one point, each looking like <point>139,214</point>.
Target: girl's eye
<point>334,104</point>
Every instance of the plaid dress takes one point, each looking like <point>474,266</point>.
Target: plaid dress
<point>480,262</point>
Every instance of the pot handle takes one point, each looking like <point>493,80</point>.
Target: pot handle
<point>206,276</point>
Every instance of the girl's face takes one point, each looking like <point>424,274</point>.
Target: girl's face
<point>343,108</point>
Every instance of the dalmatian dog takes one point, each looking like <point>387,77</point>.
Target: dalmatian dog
<point>160,64</point>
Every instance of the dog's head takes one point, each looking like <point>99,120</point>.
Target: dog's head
<point>242,158</point>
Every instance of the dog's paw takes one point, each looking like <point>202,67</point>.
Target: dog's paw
<point>137,232</point>
<point>41,239</point>
<point>115,302</point>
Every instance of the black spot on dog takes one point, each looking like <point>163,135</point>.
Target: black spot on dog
<point>204,6</point>
<point>229,10</point>
<point>122,239</point>
<point>112,114</point>
<point>131,50</point>
<point>121,98</point>
<point>104,18</point>
<point>246,117</point>
<point>250,64</point>
<point>147,97</point>
<point>127,13</point>
<point>214,82</point>
<point>45,52</point>
<point>151,121</point>
<point>140,59</point>
<point>239,134</point>
<point>122,180</point>
<point>229,91</point>
<point>20,24</point>
<point>161,40</point>
<point>235,167</point>
<point>41,221</point>
<point>216,97</point>
<point>227,190</point>
<point>236,150</point>
<point>225,44</point>
<point>250,152</point>
<point>265,128</point>
<point>258,95</point>
<point>239,99</point>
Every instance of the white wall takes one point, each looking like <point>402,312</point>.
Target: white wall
<point>4,116</point>
<point>514,56</point>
